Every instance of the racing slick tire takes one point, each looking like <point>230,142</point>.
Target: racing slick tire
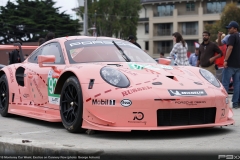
<point>71,105</point>
<point>4,96</point>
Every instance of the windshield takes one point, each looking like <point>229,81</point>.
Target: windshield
<point>102,50</point>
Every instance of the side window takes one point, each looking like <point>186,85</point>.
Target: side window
<point>33,58</point>
<point>53,49</point>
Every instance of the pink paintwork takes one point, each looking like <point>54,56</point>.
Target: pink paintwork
<point>159,97</point>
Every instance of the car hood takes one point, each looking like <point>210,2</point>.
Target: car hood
<point>161,76</point>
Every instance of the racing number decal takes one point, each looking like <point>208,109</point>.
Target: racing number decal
<point>52,98</point>
<point>52,84</point>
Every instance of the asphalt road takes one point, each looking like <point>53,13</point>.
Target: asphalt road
<point>45,138</point>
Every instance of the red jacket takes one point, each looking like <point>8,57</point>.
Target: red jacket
<point>219,62</point>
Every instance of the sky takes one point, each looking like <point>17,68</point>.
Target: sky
<point>66,5</point>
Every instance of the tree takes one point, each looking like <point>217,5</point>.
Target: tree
<point>230,13</point>
<point>28,20</point>
<point>213,30</point>
<point>117,18</point>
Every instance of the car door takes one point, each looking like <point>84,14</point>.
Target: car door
<point>40,79</point>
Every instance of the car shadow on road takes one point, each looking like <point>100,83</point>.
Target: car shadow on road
<point>136,135</point>
<point>54,125</point>
<point>164,134</point>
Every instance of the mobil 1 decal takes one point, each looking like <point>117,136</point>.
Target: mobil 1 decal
<point>52,98</point>
<point>179,92</point>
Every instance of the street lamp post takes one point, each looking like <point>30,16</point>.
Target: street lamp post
<point>95,29</point>
<point>85,18</point>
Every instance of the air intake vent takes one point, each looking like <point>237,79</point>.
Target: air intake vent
<point>183,117</point>
<point>172,77</point>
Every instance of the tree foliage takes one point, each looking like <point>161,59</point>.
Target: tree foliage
<point>28,20</point>
<point>230,13</point>
<point>213,30</point>
<point>117,18</point>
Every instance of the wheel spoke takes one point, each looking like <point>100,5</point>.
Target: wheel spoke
<point>67,110</point>
<point>70,91</point>
<point>4,100</point>
<point>66,114</point>
<point>73,115</point>
<point>76,104</point>
<point>75,98</point>
<point>4,88</point>
<point>67,97</point>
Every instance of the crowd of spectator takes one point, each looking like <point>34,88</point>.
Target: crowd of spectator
<point>221,57</point>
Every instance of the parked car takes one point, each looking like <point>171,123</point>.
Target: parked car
<point>158,60</point>
<point>1,66</point>
<point>111,85</point>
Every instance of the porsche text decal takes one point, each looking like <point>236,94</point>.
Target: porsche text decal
<point>35,83</point>
<point>131,91</point>
<point>100,43</point>
<point>103,102</point>
<point>52,98</point>
<point>199,92</point>
<point>190,102</point>
<point>11,74</point>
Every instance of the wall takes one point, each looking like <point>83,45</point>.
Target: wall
<point>4,53</point>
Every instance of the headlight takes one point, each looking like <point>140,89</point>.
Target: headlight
<point>114,77</point>
<point>209,77</point>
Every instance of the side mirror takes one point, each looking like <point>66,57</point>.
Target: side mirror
<point>164,61</point>
<point>45,58</point>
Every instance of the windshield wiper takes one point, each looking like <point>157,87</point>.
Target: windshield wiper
<point>123,54</point>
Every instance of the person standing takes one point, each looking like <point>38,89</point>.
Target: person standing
<point>207,55</point>
<point>232,62</point>
<point>219,62</point>
<point>162,55</point>
<point>49,36</point>
<point>194,57</point>
<point>131,39</point>
<point>180,49</point>
<point>41,41</point>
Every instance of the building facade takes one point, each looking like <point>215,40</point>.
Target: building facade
<point>158,19</point>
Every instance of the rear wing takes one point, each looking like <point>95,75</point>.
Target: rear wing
<point>19,47</point>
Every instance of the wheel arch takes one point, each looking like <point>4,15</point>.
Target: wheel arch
<point>61,81</point>
<point>2,73</point>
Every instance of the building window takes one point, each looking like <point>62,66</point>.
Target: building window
<point>190,28</point>
<point>190,6</point>
<point>191,45</point>
<point>164,46</point>
<point>165,10</point>
<point>146,28</point>
<point>146,46</point>
<point>215,7</point>
<point>164,29</point>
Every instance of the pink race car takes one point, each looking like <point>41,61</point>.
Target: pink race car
<point>109,84</point>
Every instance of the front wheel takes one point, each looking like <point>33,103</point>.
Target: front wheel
<point>71,105</point>
<point>4,96</point>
